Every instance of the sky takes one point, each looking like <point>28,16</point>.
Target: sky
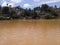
<point>29,3</point>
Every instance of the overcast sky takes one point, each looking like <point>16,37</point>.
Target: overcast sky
<point>29,3</point>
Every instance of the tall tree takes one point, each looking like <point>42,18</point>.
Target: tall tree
<point>5,10</point>
<point>55,7</point>
<point>44,7</point>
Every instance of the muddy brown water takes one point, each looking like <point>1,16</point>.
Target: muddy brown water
<point>30,32</point>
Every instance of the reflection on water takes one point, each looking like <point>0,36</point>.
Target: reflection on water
<point>37,32</point>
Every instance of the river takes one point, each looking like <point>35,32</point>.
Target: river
<point>30,32</point>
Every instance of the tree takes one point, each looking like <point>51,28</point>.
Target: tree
<point>44,7</point>
<point>35,16</point>
<point>55,7</point>
<point>0,7</point>
<point>5,10</point>
<point>37,8</point>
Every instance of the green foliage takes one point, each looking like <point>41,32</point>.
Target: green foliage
<point>5,10</point>
<point>43,12</point>
<point>45,8</point>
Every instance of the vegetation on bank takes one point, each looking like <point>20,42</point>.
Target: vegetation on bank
<point>43,12</point>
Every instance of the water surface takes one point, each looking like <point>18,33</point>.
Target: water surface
<point>30,32</point>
